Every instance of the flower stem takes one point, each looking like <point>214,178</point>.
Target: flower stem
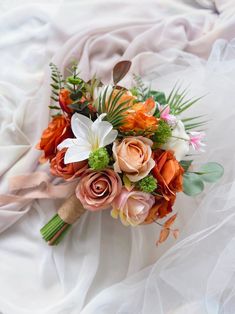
<point>55,230</point>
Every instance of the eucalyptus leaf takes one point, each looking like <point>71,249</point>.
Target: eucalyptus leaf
<point>74,80</point>
<point>192,184</point>
<point>211,172</point>
<point>186,164</point>
<point>120,70</point>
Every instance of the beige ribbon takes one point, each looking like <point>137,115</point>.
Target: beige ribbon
<point>71,210</point>
<point>35,186</point>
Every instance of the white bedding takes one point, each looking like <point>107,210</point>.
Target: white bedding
<point>103,267</point>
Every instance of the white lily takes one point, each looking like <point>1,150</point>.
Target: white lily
<point>89,137</point>
<point>178,142</point>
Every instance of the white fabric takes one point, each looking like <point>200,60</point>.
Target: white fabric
<point>102,267</point>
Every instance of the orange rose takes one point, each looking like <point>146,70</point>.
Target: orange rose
<point>57,130</point>
<point>140,118</point>
<point>68,171</point>
<point>65,100</point>
<point>169,174</point>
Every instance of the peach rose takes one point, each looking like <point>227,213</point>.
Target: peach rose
<point>132,206</point>
<point>133,157</point>
<point>57,130</point>
<point>97,190</point>
<point>68,171</point>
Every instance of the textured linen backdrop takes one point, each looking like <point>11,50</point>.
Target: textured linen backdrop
<point>102,267</point>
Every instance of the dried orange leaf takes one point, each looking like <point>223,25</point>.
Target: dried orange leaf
<point>170,221</point>
<point>120,70</point>
<point>164,234</point>
<point>176,233</point>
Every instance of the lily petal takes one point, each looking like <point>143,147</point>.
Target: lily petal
<point>104,132</point>
<point>67,143</point>
<point>81,126</point>
<point>76,153</point>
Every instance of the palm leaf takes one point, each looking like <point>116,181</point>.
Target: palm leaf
<point>178,102</point>
<point>195,125</point>
<point>112,107</point>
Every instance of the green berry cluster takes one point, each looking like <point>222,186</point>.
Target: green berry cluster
<point>99,159</point>
<point>148,184</point>
<point>163,133</point>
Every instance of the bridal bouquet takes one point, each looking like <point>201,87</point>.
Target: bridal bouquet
<point>128,150</point>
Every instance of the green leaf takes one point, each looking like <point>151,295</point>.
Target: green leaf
<point>141,89</point>
<point>56,76</point>
<point>55,92</point>
<point>186,164</point>
<point>55,86</point>
<point>158,97</point>
<point>120,70</point>
<point>192,118</point>
<point>54,107</point>
<point>211,172</point>
<point>178,102</point>
<point>194,125</point>
<point>54,98</point>
<point>192,184</point>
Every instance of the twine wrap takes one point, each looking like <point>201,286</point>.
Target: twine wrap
<point>71,210</point>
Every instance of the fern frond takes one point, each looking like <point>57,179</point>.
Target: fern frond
<point>142,89</point>
<point>56,76</point>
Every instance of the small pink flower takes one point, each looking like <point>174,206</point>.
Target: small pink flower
<point>132,206</point>
<point>165,114</point>
<point>196,140</point>
<point>97,190</point>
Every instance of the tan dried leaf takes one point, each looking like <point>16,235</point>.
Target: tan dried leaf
<point>176,233</point>
<point>120,70</point>
<point>164,234</point>
<point>170,221</point>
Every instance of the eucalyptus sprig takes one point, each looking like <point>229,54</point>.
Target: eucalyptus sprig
<point>74,83</point>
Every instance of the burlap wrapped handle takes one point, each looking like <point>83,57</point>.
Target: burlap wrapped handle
<point>71,210</point>
<point>54,231</point>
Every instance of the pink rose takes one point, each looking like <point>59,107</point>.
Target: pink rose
<point>133,156</point>
<point>97,190</point>
<point>132,206</point>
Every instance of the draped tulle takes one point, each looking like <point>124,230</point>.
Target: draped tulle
<point>103,267</point>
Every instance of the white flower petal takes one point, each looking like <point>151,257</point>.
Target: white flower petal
<point>67,143</point>
<point>81,126</point>
<point>109,138</point>
<point>179,142</point>
<point>76,153</point>
<point>101,117</point>
<point>103,132</point>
